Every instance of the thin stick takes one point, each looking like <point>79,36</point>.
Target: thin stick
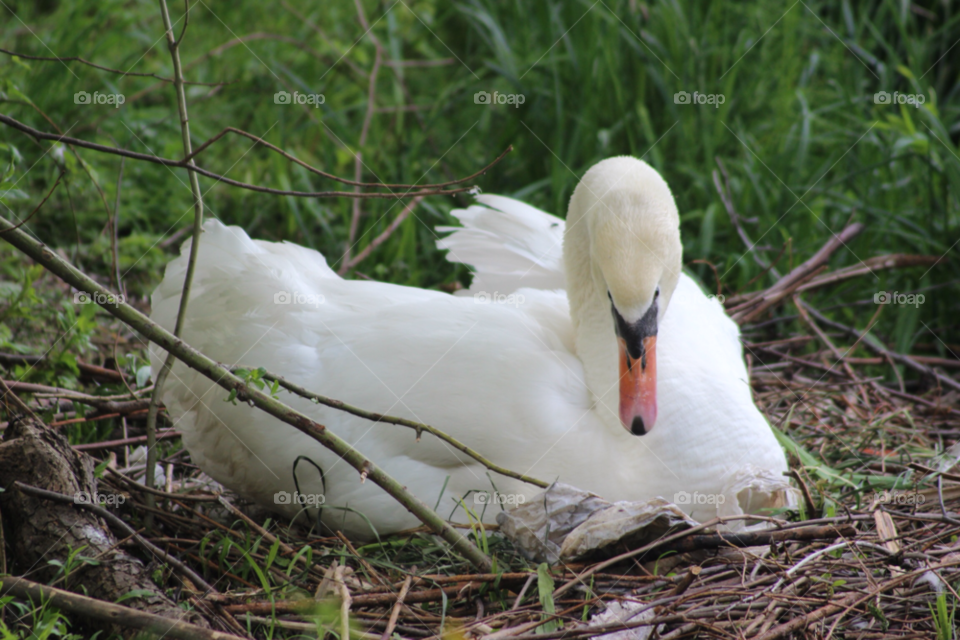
<point>419,427</point>
<point>727,200</point>
<point>380,239</point>
<point>108,612</point>
<point>424,191</point>
<point>330,176</point>
<point>157,397</point>
<point>42,202</point>
<point>116,522</point>
<point>364,130</point>
<point>754,307</point>
<point>881,350</point>
<point>115,239</point>
<point>102,68</point>
<point>395,612</point>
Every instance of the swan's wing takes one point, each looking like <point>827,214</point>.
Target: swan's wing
<point>508,244</point>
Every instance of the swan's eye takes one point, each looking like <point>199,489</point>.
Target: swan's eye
<point>656,293</point>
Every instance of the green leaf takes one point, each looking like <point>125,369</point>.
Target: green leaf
<point>143,376</point>
<point>136,593</point>
<point>545,587</point>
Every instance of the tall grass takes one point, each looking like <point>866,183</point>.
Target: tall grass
<point>806,147</point>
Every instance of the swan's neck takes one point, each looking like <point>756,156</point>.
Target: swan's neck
<point>593,323</point>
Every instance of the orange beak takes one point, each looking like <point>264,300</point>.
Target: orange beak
<point>638,387</point>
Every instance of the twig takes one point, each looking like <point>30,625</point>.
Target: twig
<point>330,176</point>
<point>223,377</point>
<point>102,68</point>
<point>118,524</point>
<point>371,572</point>
<point>157,397</point>
<point>874,346</point>
<point>108,612</point>
<point>419,427</point>
<point>92,446</point>
<point>754,307</point>
<point>345,601</point>
<point>146,157</point>
<point>42,202</point>
<point>892,261</point>
<point>85,368</point>
<point>727,200</point>
<point>380,239</point>
<point>395,612</point>
<point>9,398</point>
<point>364,130</point>
<point>754,538</point>
<point>114,234</point>
<point>825,339</point>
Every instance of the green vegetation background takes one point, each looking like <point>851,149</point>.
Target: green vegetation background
<point>806,147</point>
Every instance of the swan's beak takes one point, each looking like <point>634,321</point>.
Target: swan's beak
<point>638,387</point>
<point>638,370</point>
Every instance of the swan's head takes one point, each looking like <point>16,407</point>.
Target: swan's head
<point>623,227</point>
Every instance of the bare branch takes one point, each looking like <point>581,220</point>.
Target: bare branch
<point>425,190</point>
<point>380,239</point>
<point>42,202</point>
<point>102,68</point>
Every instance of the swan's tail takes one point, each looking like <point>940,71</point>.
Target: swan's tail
<point>508,244</point>
<point>237,278</point>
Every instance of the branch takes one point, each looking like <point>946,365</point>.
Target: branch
<point>324,174</point>
<point>42,202</point>
<point>786,285</point>
<point>119,524</point>
<point>364,130</point>
<point>107,612</point>
<point>97,66</point>
<point>403,422</point>
<point>380,239</point>
<point>184,164</point>
<point>157,397</point>
<point>879,349</point>
<point>223,377</point>
<point>727,200</point>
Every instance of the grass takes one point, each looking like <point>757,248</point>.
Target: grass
<point>805,146</point>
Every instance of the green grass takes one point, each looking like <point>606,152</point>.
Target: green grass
<point>805,146</point>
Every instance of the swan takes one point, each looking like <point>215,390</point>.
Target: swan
<point>593,361</point>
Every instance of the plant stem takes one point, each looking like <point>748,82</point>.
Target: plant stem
<point>403,422</point>
<point>174,45</point>
<point>222,376</point>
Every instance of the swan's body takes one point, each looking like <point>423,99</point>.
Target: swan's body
<point>519,380</point>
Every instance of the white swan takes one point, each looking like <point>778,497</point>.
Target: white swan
<point>539,386</point>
